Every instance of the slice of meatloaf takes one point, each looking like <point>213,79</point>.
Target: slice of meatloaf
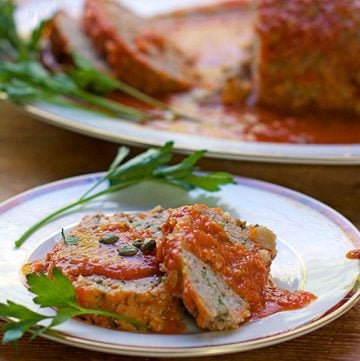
<point>112,263</point>
<point>137,54</point>
<point>144,299</point>
<point>218,265</point>
<point>94,255</point>
<point>308,54</point>
<point>66,37</point>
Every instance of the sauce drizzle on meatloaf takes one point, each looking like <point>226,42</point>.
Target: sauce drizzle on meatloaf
<point>93,257</point>
<point>206,238</point>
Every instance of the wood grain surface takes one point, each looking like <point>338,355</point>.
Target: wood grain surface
<point>33,153</point>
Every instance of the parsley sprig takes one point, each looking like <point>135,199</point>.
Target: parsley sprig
<point>153,164</point>
<point>24,79</point>
<point>56,292</point>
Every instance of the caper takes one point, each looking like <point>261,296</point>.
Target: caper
<point>109,238</point>
<point>148,245</point>
<point>127,250</point>
<point>137,243</point>
<point>72,240</point>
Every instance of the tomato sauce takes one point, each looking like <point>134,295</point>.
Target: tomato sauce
<point>94,258</point>
<point>278,299</point>
<point>354,254</point>
<point>219,38</point>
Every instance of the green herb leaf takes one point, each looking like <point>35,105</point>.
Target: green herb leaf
<point>143,165</point>
<point>15,330</point>
<point>19,91</point>
<point>8,29</point>
<point>35,39</point>
<point>86,76</point>
<point>55,292</point>
<point>70,239</point>
<point>11,309</point>
<point>152,164</point>
<point>64,314</point>
<point>184,168</point>
<point>210,182</point>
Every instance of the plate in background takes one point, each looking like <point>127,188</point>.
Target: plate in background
<point>125,132</point>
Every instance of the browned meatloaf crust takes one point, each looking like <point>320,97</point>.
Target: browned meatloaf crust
<point>308,54</point>
<point>105,278</point>
<point>144,299</point>
<point>137,54</point>
<point>218,265</point>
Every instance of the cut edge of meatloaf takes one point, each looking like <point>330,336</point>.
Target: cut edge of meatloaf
<point>145,300</point>
<point>307,55</point>
<point>137,54</point>
<point>216,306</point>
<point>203,289</point>
<point>66,36</point>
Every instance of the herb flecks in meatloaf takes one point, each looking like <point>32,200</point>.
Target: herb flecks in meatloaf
<point>308,54</point>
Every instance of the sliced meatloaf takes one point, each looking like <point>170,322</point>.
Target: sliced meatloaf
<point>218,265</point>
<point>66,37</point>
<point>143,265</point>
<point>112,264</point>
<point>137,54</point>
<point>94,255</point>
<point>308,54</point>
<point>145,300</point>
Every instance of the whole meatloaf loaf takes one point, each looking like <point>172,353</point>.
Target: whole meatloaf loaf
<point>113,267</point>
<point>308,54</point>
<point>218,265</point>
<point>137,53</point>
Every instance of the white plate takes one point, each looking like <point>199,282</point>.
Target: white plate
<point>312,242</point>
<point>122,131</point>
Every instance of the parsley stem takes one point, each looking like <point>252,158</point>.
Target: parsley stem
<point>62,210</point>
<point>111,105</point>
<point>147,99</point>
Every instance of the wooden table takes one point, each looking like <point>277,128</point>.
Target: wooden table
<point>34,153</point>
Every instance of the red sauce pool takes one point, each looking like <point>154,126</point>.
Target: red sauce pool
<point>354,254</point>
